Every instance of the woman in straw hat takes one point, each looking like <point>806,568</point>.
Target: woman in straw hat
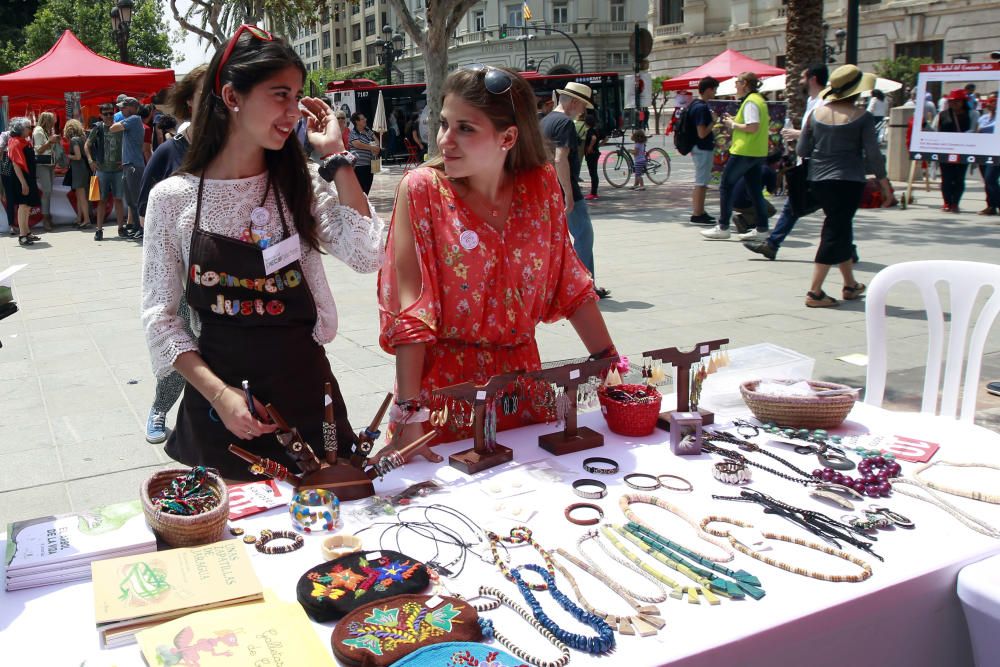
<point>842,146</point>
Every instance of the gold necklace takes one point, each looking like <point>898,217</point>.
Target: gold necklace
<point>493,213</point>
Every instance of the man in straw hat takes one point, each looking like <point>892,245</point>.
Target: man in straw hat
<point>558,128</point>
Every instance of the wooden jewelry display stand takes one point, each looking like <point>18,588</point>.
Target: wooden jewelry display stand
<point>479,457</point>
<point>683,361</point>
<point>572,438</point>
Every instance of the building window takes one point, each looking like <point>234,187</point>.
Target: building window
<point>616,58</point>
<point>618,10</point>
<point>356,57</point>
<point>315,48</point>
<point>339,64</point>
<point>515,17</point>
<point>385,19</point>
<point>327,62</point>
<point>356,32</point>
<point>560,12</point>
<point>479,20</point>
<point>932,49</point>
<point>326,39</point>
<point>336,36</point>
<point>355,7</point>
<point>369,3</point>
<point>671,11</point>
<point>370,55</point>
<point>369,26</point>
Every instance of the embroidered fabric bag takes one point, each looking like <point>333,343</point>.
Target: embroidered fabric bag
<point>330,590</point>
<point>460,654</point>
<point>380,633</point>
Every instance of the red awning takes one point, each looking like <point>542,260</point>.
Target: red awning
<point>69,66</point>
<point>724,66</point>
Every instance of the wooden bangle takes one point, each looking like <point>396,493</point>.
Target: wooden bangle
<point>336,546</point>
<point>584,522</point>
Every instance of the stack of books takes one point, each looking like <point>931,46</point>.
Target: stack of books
<point>137,592</point>
<point>59,549</point>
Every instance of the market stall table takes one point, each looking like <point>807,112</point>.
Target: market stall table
<point>907,613</point>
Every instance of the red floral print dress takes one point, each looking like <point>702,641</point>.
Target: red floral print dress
<point>483,291</point>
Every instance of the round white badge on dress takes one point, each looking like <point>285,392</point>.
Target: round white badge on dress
<point>469,239</point>
<point>259,216</point>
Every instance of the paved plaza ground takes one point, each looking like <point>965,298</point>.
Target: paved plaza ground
<point>76,385</point>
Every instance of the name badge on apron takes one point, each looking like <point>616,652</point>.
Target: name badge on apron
<point>281,254</point>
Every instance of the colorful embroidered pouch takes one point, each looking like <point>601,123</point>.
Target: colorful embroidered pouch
<point>380,633</point>
<point>460,654</point>
<point>330,590</point>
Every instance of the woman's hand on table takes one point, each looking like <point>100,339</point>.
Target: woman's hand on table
<point>406,434</point>
<point>232,410</point>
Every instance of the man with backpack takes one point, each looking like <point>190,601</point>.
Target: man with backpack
<point>693,134</point>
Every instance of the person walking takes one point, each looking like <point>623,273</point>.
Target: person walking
<point>557,128</point>
<point>79,171</point>
<point>592,153</point>
<point>133,160</point>
<point>750,129</point>
<point>478,256</point>
<point>23,192</point>
<point>841,143</point>
<point>104,155</point>
<point>955,118</point>
<point>365,148</point>
<point>813,80</point>
<point>699,115</point>
<point>44,139</point>
<point>639,158</point>
<point>990,172</point>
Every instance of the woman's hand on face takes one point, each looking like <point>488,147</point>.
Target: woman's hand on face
<point>324,132</point>
<point>232,410</point>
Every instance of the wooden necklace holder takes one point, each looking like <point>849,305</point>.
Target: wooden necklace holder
<point>572,438</point>
<point>683,361</point>
<point>479,457</point>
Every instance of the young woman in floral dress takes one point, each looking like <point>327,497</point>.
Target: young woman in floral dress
<point>478,254</point>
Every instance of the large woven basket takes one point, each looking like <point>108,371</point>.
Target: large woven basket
<point>799,411</point>
<point>186,531</point>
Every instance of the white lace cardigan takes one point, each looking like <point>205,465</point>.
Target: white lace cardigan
<point>356,240</point>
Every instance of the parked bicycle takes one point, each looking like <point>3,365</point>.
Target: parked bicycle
<point>619,167</point>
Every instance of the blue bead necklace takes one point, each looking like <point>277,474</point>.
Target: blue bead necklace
<point>602,643</point>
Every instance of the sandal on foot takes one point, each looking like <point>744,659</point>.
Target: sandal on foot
<point>851,293</point>
<point>820,299</point>
<point>24,240</point>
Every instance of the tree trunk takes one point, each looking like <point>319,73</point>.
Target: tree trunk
<point>803,47</point>
<point>435,72</point>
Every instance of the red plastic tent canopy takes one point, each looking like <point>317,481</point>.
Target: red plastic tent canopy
<point>724,66</point>
<point>69,66</point>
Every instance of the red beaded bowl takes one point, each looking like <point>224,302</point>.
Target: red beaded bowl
<point>636,417</point>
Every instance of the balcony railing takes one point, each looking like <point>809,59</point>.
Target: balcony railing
<point>669,30</point>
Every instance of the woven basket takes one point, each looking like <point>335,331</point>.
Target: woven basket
<point>799,411</point>
<point>185,531</point>
<point>635,418</point>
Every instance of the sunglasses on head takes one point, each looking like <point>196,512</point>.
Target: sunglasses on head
<point>256,32</point>
<point>496,81</point>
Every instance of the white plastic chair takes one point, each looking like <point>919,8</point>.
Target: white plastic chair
<point>965,280</point>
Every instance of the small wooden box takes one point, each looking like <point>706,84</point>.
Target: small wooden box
<point>685,433</point>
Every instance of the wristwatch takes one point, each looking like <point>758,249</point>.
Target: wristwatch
<point>335,162</point>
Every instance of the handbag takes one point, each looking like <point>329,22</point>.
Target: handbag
<point>95,189</point>
<point>802,199</point>
<point>43,159</point>
<point>59,158</point>
<point>376,165</point>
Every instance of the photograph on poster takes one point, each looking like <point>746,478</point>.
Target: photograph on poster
<point>933,142</point>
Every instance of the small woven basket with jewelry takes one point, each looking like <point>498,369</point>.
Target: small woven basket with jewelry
<point>630,409</point>
<point>800,411</point>
<point>186,507</point>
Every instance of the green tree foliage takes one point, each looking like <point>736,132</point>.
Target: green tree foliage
<point>903,69</point>
<point>215,20</point>
<point>149,44</point>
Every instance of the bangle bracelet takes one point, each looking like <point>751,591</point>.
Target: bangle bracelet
<point>602,489</point>
<point>219,395</point>
<point>603,466</point>
<point>685,489</point>
<point>629,479</point>
<point>731,472</point>
<point>336,546</point>
<point>584,522</point>
<point>267,536</point>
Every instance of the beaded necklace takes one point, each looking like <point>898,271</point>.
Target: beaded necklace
<point>519,535</point>
<point>594,535</point>
<point>629,498</point>
<point>603,642</point>
<point>932,497</point>
<point>630,565</point>
<point>739,546</point>
<point>962,493</point>
<point>692,591</point>
<point>489,632</point>
<point>677,591</point>
<point>748,446</point>
<point>645,622</point>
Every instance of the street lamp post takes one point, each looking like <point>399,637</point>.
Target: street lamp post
<point>828,50</point>
<point>392,49</point>
<point>121,24</point>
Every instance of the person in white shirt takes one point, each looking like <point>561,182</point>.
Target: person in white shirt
<point>813,81</point>
<point>878,106</point>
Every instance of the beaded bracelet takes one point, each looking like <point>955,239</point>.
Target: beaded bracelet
<point>583,522</point>
<point>603,465</point>
<point>315,509</point>
<point>518,535</point>
<point>731,472</point>
<point>268,535</point>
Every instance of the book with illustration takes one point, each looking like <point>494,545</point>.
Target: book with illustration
<point>135,592</point>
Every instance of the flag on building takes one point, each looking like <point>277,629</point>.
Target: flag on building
<point>526,12</point>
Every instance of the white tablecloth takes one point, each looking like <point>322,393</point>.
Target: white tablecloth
<point>906,614</point>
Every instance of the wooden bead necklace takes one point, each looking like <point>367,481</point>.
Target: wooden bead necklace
<point>595,536</point>
<point>629,498</point>
<point>704,584</point>
<point>739,546</point>
<point>519,535</point>
<point>489,632</point>
<point>267,536</point>
<point>962,493</point>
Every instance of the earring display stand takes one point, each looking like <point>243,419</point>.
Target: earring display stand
<point>480,457</point>
<point>683,361</point>
<point>572,438</point>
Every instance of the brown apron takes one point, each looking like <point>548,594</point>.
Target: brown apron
<point>259,328</point>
